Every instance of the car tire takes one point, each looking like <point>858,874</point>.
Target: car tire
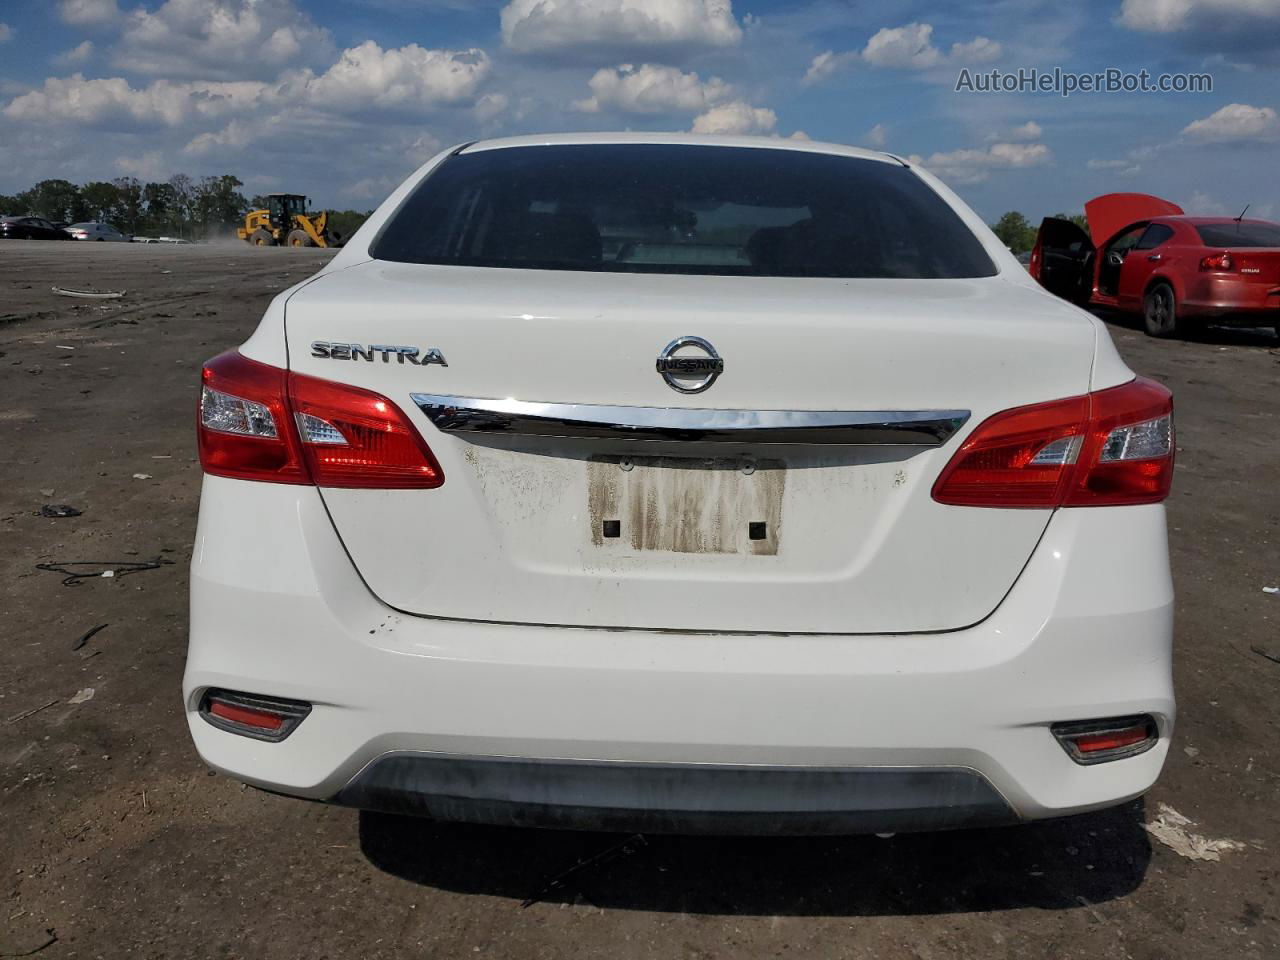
<point>298,238</point>
<point>262,238</point>
<point>1160,311</point>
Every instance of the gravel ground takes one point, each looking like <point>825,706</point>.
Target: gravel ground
<point>118,841</point>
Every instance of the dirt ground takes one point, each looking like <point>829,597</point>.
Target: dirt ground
<point>116,841</point>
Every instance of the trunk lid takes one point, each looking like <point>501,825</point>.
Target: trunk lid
<point>1257,265</point>
<point>590,530</point>
<point>1112,212</point>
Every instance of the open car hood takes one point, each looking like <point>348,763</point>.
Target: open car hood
<point>1111,212</point>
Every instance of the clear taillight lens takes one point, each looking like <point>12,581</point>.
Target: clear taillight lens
<point>227,414</point>
<point>1148,440</point>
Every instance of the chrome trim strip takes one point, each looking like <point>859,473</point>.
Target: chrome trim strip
<point>509,417</point>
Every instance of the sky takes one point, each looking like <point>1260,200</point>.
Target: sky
<point>342,99</point>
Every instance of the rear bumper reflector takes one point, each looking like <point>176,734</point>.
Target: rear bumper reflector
<point>1097,741</point>
<point>250,715</point>
<point>929,428</point>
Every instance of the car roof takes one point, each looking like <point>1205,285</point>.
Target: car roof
<point>1195,221</point>
<point>685,139</point>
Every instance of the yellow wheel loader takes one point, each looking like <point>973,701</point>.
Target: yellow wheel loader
<point>286,223</point>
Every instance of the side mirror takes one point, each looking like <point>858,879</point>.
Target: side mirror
<point>1115,258</point>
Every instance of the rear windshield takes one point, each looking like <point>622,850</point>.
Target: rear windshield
<point>655,208</point>
<point>1254,234</point>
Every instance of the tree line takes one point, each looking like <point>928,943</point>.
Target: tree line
<point>1018,234</point>
<point>181,206</point>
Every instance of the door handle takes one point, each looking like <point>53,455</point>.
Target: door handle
<point>1154,257</point>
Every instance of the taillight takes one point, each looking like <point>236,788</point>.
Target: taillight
<point>258,422</point>
<point>357,438</point>
<point>1220,261</point>
<point>1127,456</point>
<point>1106,448</point>
<point>244,422</point>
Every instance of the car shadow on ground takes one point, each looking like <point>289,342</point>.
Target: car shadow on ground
<point>1225,336</point>
<point>1060,864</point>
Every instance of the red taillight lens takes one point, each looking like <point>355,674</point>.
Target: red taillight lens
<point>357,438</point>
<point>1106,448</point>
<point>1220,261</point>
<point>246,716</point>
<point>251,715</point>
<point>1096,741</point>
<point>1019,458</point>
<point>258,422</point>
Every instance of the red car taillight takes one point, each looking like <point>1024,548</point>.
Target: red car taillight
<point>1102,449</point>
<point>258,422</point>
<point>1220,261</point>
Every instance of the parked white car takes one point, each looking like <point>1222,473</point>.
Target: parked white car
<point>93,230</point>
<point>673,483</point>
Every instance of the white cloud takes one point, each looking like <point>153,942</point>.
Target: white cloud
<point>1202,204</point>
<point>234,134</point>
<point>218,38</point>
<point>1121,167</point>
<point>76,55</point>
<point>974,166</point>
<point>737,117</point>
<point>977,50</point>
<point>491,105</point>
<point>1235,122</point>
<point>1023,132</point>
<point>909,47</point>
<point>1169,16</point>
<point>651,89</point>
<point>111,100</point>
<point>80,13</point>
<point>6,32</point>
<point>827,63</point>
<point>875,136</point>
<point>404,77</point>
<point>1019,154</point>
<point>150,165</point>
<point>905,46</point>
<point>409,80</point>
<point>546,26</point>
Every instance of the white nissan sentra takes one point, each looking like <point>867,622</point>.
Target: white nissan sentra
<point>686,484</point>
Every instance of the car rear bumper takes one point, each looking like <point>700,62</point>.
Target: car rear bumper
<point>676,798</point>
<point>656,730</point>
<point>1240,300</point>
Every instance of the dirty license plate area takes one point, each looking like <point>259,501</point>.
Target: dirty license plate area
<point>716,505</point>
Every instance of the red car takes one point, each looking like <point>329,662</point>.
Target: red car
<point>1143,256</point>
